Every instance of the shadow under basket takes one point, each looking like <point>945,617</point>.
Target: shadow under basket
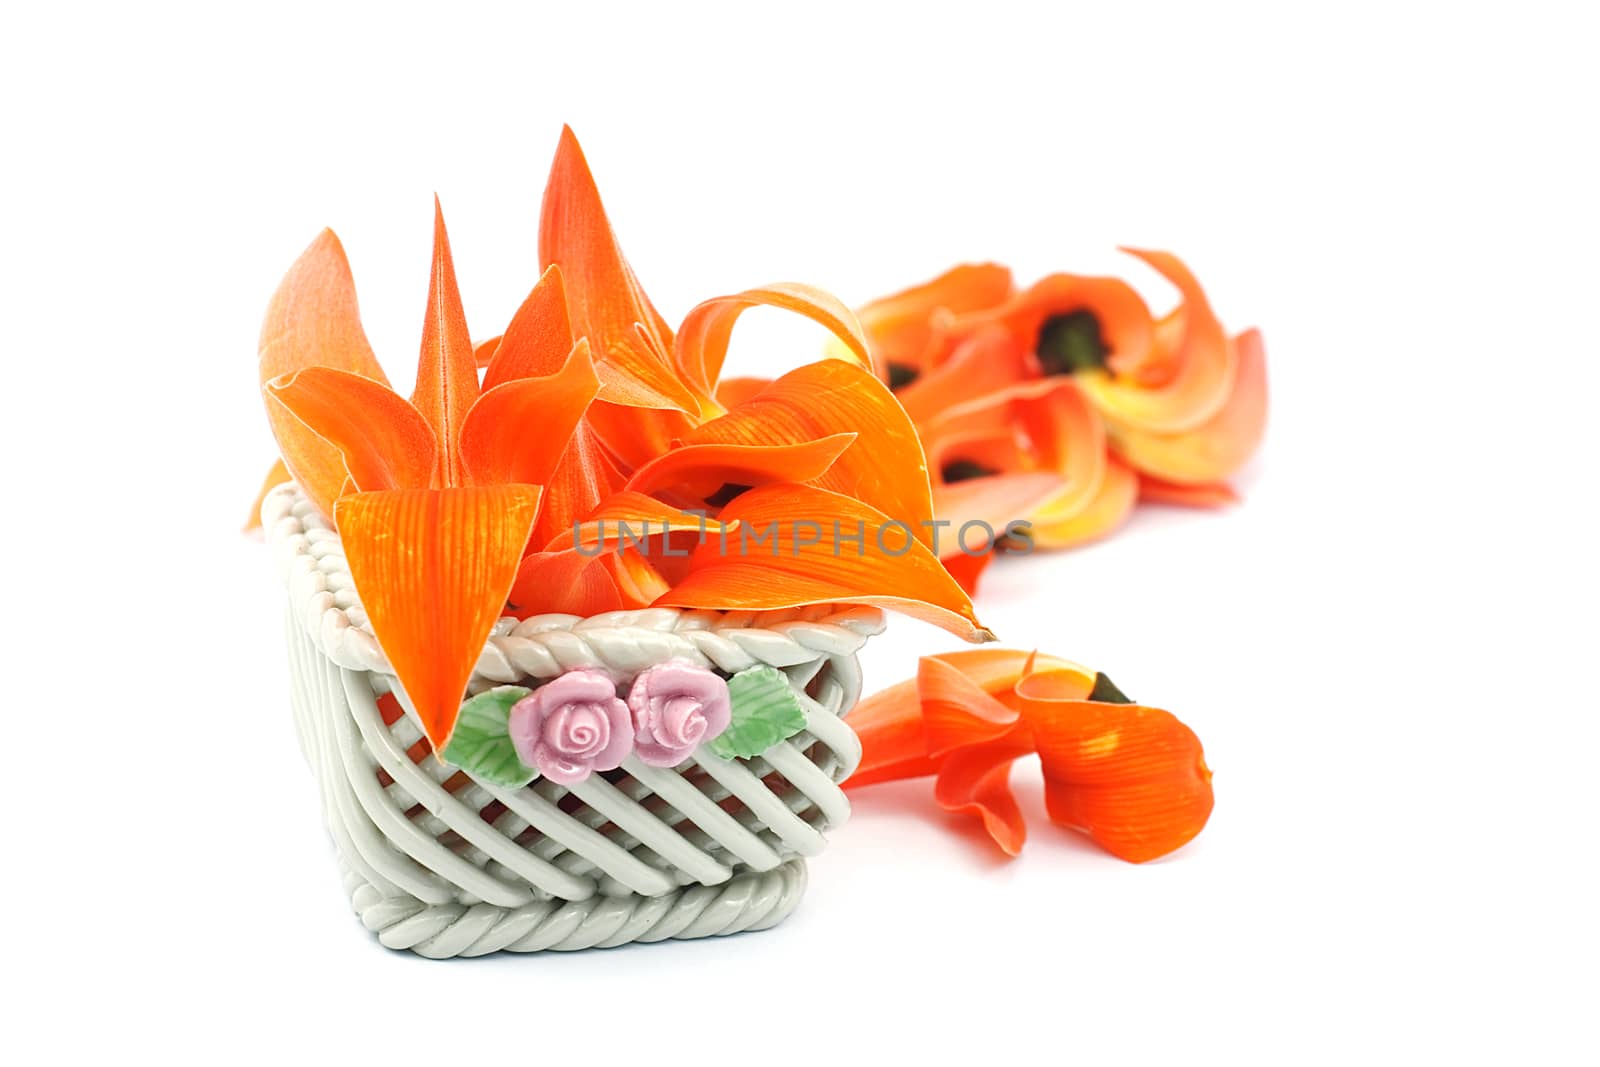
<point>444,864</point>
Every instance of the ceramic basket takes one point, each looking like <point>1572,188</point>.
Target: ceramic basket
<point>444,864</point>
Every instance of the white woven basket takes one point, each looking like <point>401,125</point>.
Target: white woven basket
<point>444,864</point>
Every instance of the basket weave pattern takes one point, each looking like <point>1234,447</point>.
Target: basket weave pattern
<point>443,864</point>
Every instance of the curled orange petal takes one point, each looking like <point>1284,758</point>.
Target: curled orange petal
<point>447,370</point>
<point>383,441</point>
<point>798,545</point>
<point>1071,323</point>
<point>1132,777</point>
<point>956,711</point>
<point>977,781</point>
<point>1204,366</point>
<point>981,365</point>
<point>702,342</point>
<point>433,568</point>
<point>1201,495</point>
<point>1216,448</point>
<point>1054,526</point>
<point>313,321</point>
<point>277,474</point>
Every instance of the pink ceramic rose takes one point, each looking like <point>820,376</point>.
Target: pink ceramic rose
<point>676,707</point>
<point>572,726</point>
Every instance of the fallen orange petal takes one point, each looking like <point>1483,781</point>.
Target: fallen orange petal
<point>1216,448</point>
<point>976,781</point>
<point>885,467</point>
<point>1061,527</point>
<point>384,442</point>
<point>956,711</point>
<point>980,365</point>
<point>1132,777</point>
<point>785,555</point>
<point>447,370</point>
<point>433,568</point>
<point>313,321</point>
<point>1202,495</point>
<point>518,430</point>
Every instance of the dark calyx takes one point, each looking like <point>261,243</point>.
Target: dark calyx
<point>1071,343</point>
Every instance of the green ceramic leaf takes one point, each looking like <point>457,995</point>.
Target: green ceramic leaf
<point>765,712</point>
<point>481,744</point>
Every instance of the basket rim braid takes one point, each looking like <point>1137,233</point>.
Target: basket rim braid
<point>443,863</point>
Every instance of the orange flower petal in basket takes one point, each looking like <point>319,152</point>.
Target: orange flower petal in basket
<point>1216,448</point>
<point>906,330</point>
<point>384,442</point>
<point>564,582</point>
<point>604,297</point>
<point>313,321</point>
<point>518,430</point>
<point>795,546</point>
<point>434,567</point>
<point>702,342</point>
<point>884,468</point>
<point>447,371</point>
<point>539,339</point>
<point>700,471</point>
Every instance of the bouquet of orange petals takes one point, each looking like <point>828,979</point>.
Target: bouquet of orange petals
<point>590,459</point>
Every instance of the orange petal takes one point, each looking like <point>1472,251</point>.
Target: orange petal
<point>884,469</point>
<point>629,516</point>
<point>384,441</point>
<point>1058,527</point>
<point>539,340</point>
<point>702,342</point>
<point>731,392</point>
<point>583,477</point>
<point>433,568</point>
<point>976,781</point>
<point>483,352</point>
<point>701,470</point>
<point>956,711</point>
<point>966,570</point>
<point>894,741</point>
<point>783,555</point>
<point>565,583</point>
<point>1204,367</point>
<point>905,329</point>
<point>1133,777</point>
<point>277,474</point>
<point>979,510</point>
<point>313,321</point>
<point>603,296</point>
<point>1202,495</point>
<point>1217,447</point>
<point>447,371</point>
<point>518,430</point>
<point>983,363</point>
<point>1119,314</point>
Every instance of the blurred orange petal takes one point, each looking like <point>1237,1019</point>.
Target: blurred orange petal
<point>603,296</point>
<point>384,442</point>
<point>433,568</point>
<point>539,340</point>
<point>1072,322</point>
<point>518,430</point>
<point>701,470</point>
<point>1218,447</point>
<point>1201,495</point>
<point>1060,527</point>
<point>785,555</point>
<point>884,468</point>
<point>447,370</point>
<point>483,352</point>
<point>313,321</point>
<point>904,329</point>
<point>966,569</point>
<point>1204,366</point>
<point>277,474</point>
<point>702,341</point>
<point>981,364</point>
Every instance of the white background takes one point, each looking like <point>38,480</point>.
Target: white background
<point>1388,649</point>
